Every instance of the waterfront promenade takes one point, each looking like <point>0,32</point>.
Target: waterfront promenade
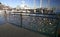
<point>36,22</point>
<point>8,30</point>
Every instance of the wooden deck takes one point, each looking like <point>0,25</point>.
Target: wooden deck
<point>8,30</point>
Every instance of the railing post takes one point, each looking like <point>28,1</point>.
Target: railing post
<point>21,19</point>
<point>5,15</point>
<point>9,16</point>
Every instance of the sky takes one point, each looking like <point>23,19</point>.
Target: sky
<point>14,3</point>
<point>30,3</point>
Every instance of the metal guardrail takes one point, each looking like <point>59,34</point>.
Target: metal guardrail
<point>46,24</point>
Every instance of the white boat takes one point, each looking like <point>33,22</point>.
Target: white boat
<point>24,11</point>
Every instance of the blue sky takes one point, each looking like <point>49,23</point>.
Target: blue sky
<point>14,3</point>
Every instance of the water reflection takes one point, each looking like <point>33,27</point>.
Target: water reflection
<point>14,19</point>
<point>2,19</point>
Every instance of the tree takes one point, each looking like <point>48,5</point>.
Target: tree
<point>0,3</point>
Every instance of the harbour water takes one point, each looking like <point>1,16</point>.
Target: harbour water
<point>2,19</point>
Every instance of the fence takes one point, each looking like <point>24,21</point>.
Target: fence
<point>45,24</point>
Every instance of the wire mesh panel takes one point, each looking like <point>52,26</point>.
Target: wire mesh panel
<point>45,24</point>
<point>2,17</point>
<point>15,19</point>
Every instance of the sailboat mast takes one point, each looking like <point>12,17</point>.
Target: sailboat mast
<point>34,6</point>
<point>48,3</point>
<point>40,3</point>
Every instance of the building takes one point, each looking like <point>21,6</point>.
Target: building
<point>4,7</point>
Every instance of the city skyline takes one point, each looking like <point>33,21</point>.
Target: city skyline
<point>30,3</point>
<point>14,3</point>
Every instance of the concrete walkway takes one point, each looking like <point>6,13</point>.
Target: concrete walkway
<point>8,30</point>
